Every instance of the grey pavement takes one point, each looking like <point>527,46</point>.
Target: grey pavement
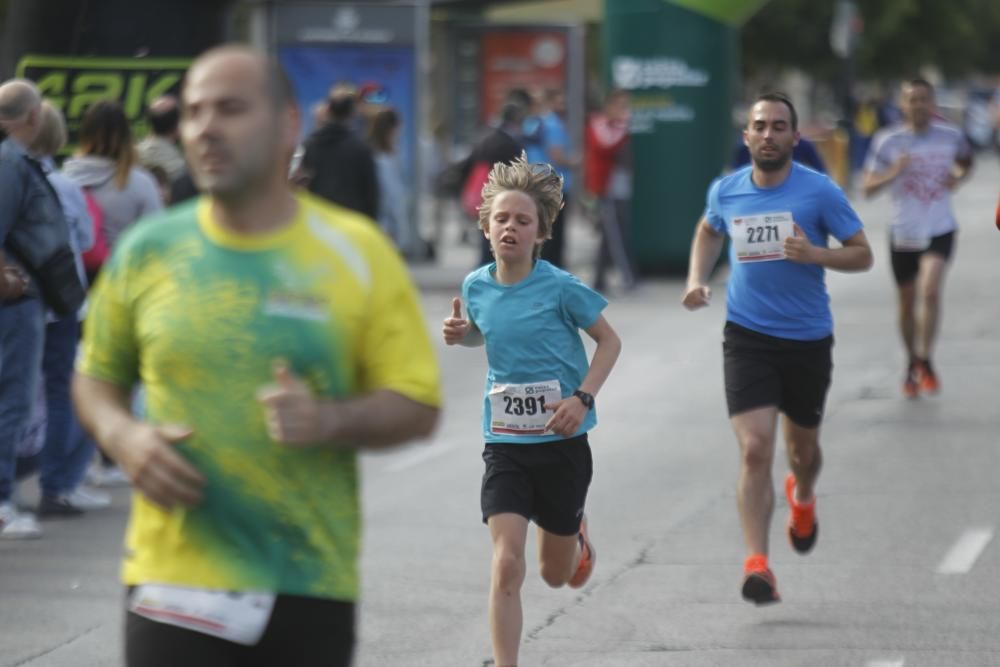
<point>903,482</point>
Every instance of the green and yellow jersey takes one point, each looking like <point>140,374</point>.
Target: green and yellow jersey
<point>199,314</point>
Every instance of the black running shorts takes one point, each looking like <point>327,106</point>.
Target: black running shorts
<point>546,483</point>
<point>303,631</point>
<point>906,263</point>
<point>762,370</point>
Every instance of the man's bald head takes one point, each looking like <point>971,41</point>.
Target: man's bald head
<point>239,123</point>
<point>18,97</point>
<point>277,85</point>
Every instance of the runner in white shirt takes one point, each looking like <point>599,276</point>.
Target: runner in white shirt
<point>922,160</point>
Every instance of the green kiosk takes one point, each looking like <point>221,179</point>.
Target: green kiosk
<point>678,60</point>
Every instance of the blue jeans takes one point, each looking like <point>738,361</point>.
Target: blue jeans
<point>22,337</point>
<point>68,450</point>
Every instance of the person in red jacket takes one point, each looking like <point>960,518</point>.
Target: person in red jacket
<point>607,177</point>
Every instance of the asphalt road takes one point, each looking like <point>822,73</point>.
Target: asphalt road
<point>906,571</point>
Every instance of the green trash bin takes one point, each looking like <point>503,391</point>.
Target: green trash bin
<point>678,60</point>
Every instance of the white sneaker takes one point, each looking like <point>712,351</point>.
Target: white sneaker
<point>87,498</point>
<point>107,476</point>
<point>16,525</point>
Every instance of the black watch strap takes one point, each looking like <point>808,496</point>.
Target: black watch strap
<point>585,398</point>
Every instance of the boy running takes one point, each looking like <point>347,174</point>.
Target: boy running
<point>539,399</point>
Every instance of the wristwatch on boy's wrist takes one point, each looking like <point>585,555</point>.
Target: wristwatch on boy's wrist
<point>585,398</point>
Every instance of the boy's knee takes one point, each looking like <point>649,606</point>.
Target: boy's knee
<point>554,576</point>
<point>508,570</point>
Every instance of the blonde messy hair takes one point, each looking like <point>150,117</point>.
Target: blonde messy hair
<point>539,181</point>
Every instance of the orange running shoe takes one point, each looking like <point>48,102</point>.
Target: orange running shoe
<point>928,379</point>
<point>802,525</point>
<point>588,557</point>
<point>911,383</point>
<point>759,584</point>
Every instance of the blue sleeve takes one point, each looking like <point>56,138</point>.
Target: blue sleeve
<point>713,214</point>
<point>581,305</point>
<point>839,218</point>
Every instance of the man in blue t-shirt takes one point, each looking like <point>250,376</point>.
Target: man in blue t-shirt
<point>779,329</point>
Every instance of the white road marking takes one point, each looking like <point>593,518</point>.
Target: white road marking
<point>420,454</point>
<point>898,662</point>
<point>968,548</point>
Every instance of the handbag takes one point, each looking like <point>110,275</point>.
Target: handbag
<point>94,258</point>
<point>39,240</point>
<point>472,192</point>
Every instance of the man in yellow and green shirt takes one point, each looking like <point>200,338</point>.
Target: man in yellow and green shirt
<point>275,335</point>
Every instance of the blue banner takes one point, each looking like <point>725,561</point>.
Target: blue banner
<point>384,73</point>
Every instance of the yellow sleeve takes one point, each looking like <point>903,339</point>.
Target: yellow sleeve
<point>109,351</point>
<point>396,353</point>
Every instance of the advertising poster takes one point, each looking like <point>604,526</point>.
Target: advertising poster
<point>385,73</point>
<point>534,60</point>
<point>73,83</point>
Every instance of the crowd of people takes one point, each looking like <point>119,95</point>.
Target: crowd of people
<point>534,124</point>
<point>100,191</point>
<point>241,347</point>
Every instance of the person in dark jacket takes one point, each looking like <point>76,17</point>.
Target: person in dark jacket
<point>501,144</point>
<point>338,165</point>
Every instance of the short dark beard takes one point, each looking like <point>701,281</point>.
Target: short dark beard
<point>777,164</point>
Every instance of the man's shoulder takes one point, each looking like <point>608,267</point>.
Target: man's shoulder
<point>810,175</point>
<point>946,130</point>
<point>732,183</point>
<point>12,157</point>
<point>892,132</point>
<point>359,229</point>
<point>333,140</point>
<point>547,271</point>
<point>477,275</point>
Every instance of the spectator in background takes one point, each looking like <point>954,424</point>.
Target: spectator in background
<point>67,451</point>
<point>159,148</point>
<point>163,183</point>
<point>338,165</point>
<point>532,128</point>
<point>558,153</point>
<point>393,209</point>
<point>372,97</point>
<point>501,144</point>
<point>25,197</point>
<point>865,124</point>
<point>608,178</point>
<point>105,166</point>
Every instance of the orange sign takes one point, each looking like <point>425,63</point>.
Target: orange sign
<point>530,59</point>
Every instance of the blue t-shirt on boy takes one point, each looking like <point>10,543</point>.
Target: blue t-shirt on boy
<point>532,335</point>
